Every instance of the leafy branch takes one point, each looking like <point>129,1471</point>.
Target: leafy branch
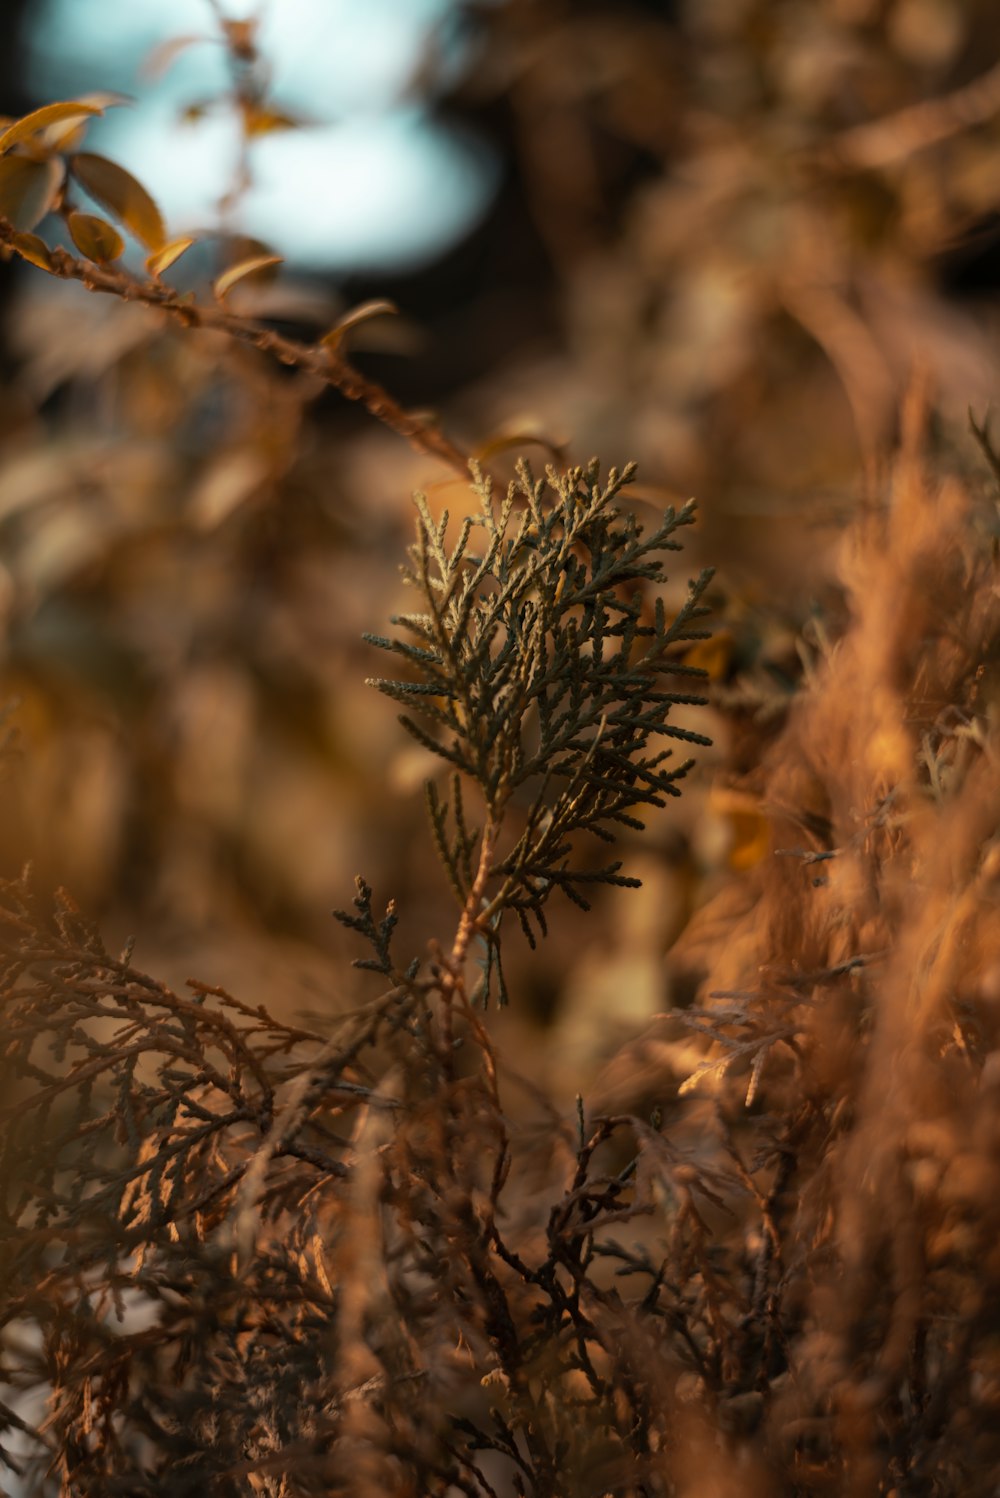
<point>41,163</point>
<point>536,669</point>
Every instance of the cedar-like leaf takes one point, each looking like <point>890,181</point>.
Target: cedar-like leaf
<point>532,666</point>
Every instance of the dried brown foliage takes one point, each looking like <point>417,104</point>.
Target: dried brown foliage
<point>245,1257</point>
<point>365,1255</point>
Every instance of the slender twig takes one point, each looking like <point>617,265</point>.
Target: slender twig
<point>317,360</point>
<point>883,142</point>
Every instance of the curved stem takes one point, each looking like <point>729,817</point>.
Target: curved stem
<point>314,359</point>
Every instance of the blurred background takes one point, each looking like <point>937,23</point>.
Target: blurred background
<point>720,237</point>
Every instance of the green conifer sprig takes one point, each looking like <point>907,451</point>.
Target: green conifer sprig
<point>537,664</point>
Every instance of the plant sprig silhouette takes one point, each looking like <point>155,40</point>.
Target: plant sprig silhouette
<point>245,1252</point>
<point>539,670</point>
<point>192,1157</point>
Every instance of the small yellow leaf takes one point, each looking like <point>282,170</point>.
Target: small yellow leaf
<point>257,121</point>
<point>354,318</point>
<point>163,259</point>
<point>67,135</point>
<point>229,278</point>
<point>33,249</point>
<point>95,238</point>
<point>40,119</point>
<point>28,189</point>
<point>119,192</point>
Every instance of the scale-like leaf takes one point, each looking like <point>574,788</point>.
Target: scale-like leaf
<point>534,675</point>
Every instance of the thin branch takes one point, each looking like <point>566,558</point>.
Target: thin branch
<point>883,142</point>
<point>313,359</point>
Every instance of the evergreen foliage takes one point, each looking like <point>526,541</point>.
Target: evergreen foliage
<point>244,1256</point>
<point>540,662</point>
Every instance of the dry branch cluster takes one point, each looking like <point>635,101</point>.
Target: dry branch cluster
<point>238,1255</point>
<point>236,1250</point>
<point>245,1257</point>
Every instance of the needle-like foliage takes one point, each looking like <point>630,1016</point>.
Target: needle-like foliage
<point>539,667</point>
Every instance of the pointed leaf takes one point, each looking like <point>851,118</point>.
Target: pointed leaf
<point>28,189</point>
<point>163,259</point>
<point>166,52</point>
<point>259,121</point>
<point>102,99</point>
<point>33,249</point>
<point>229,278</point>
<point>67,135</point>
<point>355,317</point>
<point>119,192</point>
<point>40,119</point>
<point>95,238</point>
